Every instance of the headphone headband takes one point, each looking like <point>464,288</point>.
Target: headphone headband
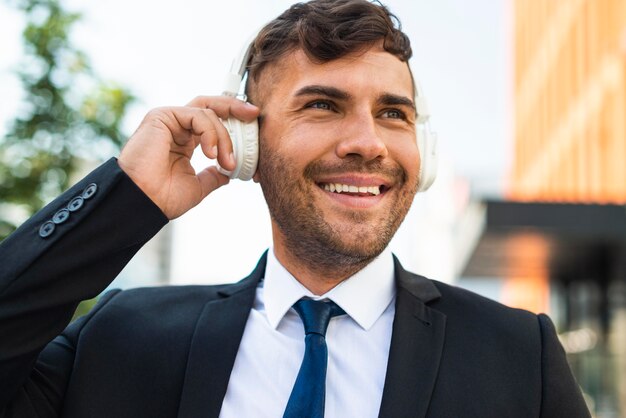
<point>239,68</point>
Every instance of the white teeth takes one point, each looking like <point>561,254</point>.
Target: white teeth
<point>345,188</point>
<point>373,190</point>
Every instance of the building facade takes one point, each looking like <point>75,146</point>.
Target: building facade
<point>570,101</point>
<point>570,157</point>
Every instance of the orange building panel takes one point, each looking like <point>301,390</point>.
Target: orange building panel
<point>570,101</point>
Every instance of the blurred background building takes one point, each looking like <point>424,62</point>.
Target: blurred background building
<point>558,242</point>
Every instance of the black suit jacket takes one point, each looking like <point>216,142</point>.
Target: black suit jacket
<point>168,352</point>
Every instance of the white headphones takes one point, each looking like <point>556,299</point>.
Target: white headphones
<point>245,136</point>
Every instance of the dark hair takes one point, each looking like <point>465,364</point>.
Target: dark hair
<point>326,30</point>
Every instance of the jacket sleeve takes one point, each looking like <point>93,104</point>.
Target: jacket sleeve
<point>561,395</point>
<point>68,252</point>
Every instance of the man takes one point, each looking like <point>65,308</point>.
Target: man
<point>335,100</point>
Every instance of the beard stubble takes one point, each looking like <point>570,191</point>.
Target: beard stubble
<point>308,237</point>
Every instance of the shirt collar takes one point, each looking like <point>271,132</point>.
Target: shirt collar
<point>364,296</point>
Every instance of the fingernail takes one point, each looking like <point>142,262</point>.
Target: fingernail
<point>231,157</point>
<point>214,151</point>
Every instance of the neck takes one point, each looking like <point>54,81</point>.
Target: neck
<point>318,272</point>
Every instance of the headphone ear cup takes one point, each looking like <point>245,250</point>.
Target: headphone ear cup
<point>427,146</point>
<point>245,140</point>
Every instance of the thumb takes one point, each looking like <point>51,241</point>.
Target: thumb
<point>210,179</point>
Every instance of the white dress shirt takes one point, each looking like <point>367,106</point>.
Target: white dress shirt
<point>272,346</point>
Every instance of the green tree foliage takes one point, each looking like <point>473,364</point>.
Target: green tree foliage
<point>68,114</point>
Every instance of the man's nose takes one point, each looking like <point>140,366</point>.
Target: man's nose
<point>360,136</point>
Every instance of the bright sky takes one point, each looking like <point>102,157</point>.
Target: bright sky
<point>168,53</point>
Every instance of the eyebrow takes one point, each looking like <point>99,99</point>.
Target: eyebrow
<point>395,100</point>
<point>319,90</point>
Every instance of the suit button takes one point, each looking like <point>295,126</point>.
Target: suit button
<point>46,229</point>
<point>61,216</point>
<point>76,204</point>
<point>89,191</point>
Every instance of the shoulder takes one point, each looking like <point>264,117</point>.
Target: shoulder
<point>456,302</point>
<point>158,304</point>
<point>453,301</point>
<point>164,298</point>
<point>158,310</point>
<point>469,316</point>
<point>475,318</point>
<point>454,298</point>
<point>164,305</point>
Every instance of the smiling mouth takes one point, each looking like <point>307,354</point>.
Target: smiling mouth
<point>349,189</point>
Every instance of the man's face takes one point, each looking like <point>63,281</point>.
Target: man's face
<point>338,161</point>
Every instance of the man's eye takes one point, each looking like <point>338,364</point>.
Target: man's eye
<point>320,105</point>
<point>394,114</point>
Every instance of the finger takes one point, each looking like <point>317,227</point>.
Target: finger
<point>166,120</point>
<point>201,125</point>
<point>220,146</point>
<point>210,179</point>
<point>225,107</point>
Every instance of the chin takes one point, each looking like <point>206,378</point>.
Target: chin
<point>361,243</point>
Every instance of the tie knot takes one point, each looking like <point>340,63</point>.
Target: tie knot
<point>316,315</point>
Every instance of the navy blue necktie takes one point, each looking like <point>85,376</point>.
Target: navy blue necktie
<point>309,392</point>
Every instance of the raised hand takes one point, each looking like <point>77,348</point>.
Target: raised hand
<point>157,157</point>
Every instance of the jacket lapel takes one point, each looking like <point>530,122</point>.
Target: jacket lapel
<point>214,347</point>
<point>416,346</point>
